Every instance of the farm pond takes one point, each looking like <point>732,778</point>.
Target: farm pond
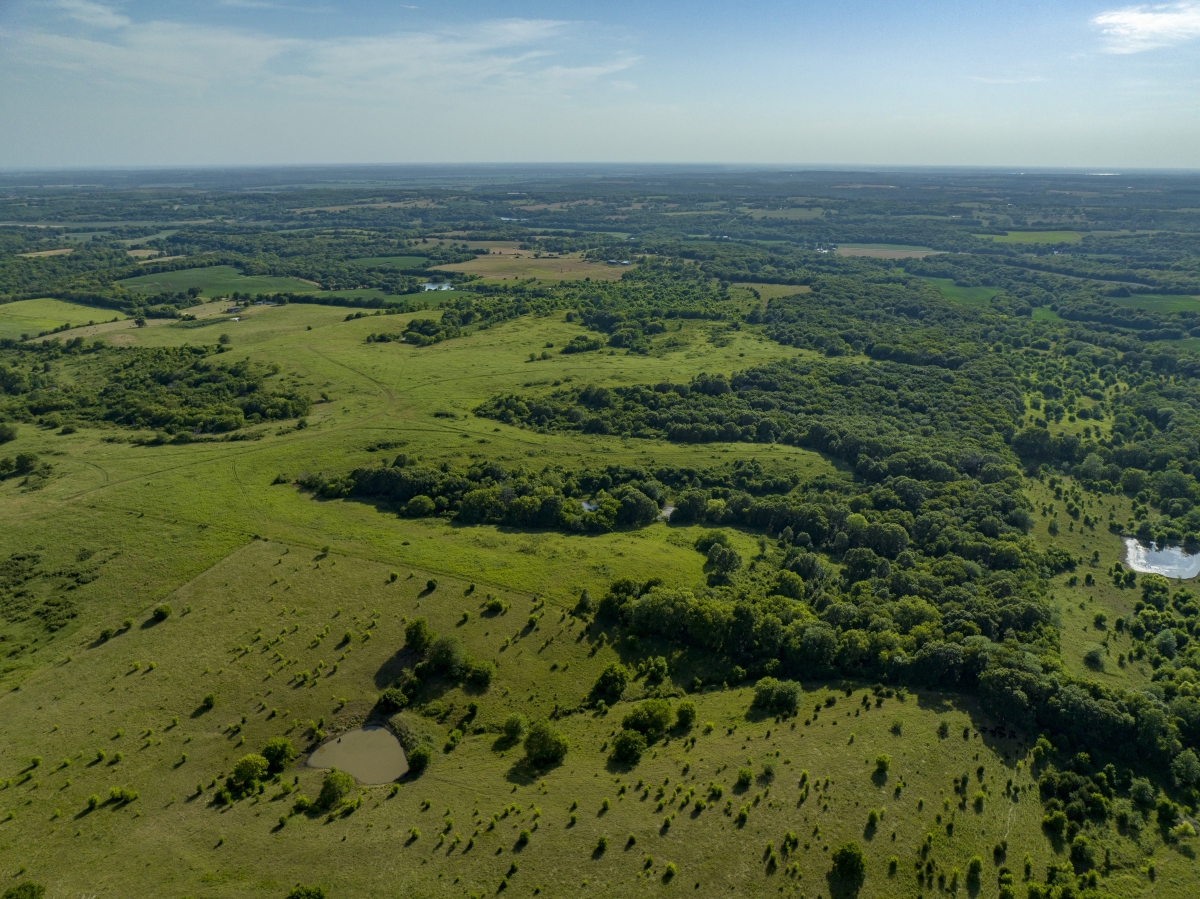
<point>370,754</point>
<point>1170,561</point>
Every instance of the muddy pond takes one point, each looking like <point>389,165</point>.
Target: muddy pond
<point>1170,561</point>
<point>370,754</point>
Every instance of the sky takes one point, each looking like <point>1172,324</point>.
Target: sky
<point>99,83</point>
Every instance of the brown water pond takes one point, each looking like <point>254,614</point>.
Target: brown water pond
<point>370,754</point>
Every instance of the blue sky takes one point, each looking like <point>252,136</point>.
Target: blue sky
<point>231,82</point>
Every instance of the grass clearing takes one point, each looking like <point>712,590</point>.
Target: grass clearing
<point>1027,237</point>
<point>972,296</point>
<point>518,265</point>
<point>216,280</point>
<point>32,317</point>
<point>885,251</point>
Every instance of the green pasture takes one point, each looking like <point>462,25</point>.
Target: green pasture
<point>972,296</point>
<point>401,263</point>
<point>1027,237</point>
<point>32,317</point>
<point>216,280</point>
<point>1159,302</point>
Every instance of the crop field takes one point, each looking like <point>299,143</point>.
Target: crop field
<point>32,317</point>
<point>674,581</point>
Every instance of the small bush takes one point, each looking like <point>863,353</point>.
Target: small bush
<point>611,683</point>
<point>208,702</point>
<point>882,763</point>
<point>303,892</point>
<point>163,612</point>
<point>248,771</point>
<point>669,872</point>
<point>26,890</point>
<point>431,584</point>
<point>745,777</point>
<point>650,717</point>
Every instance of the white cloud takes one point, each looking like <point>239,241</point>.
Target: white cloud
<point>1133,29</point>
<point>497,53</point>
<point>90,13</point>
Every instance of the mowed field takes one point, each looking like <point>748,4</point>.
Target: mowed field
<point>885,251</point>
<point>32,317</point>
<point>265,582</point>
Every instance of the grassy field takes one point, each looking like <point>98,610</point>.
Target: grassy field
<point>1035,237</point>
<point>885,251</point>
<point>1159,302</point>
<point>972,296</point>
<point>252,568</point>
<point>216,280</point>
<point>523,265</point>
<point>32,317</point>
<point>401,263</point>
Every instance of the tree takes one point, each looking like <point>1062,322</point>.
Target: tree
<point>544,745</point>
<point>418,759</point>
<point>611,682</point>
<point>722,561</point>
<point>249,770</point>
<point>1186,768</point>
<point>447,656</point>
<point>849,865</point>
<point>7,432</point>
<point>685,714</point>
<point>514,726</point>
<point>278,752</point>
<point>628,747</point>
<point>418,636</point>
<point>651,718</point>
<point>777,696</point>
<point>334,789</point>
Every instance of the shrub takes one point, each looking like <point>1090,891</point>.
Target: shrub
<point>478,673</point>
<point>249,770</point>
<point>26,890</point>
<point>514,726</point>
<point>420,507</point>
<point>651,717</point>
<point>943,729</point>
<point>418,636</point>
<point>303,892</point>
<point>7,432</point>
<point>849,866</point>
<point>611,683</point>
<point>1094,658</point>
<point>685,714</point>
<point>628,747</point>
<point>1142,792</point>
<point>544,745</point>
<point>208,702</point>
<point>431,584</point>
<point>1186,768</point>
<point>669,872</point>
<point>334,789</point>
<point>745,777</point>
<point>278,752</point>
<point>163,612</point>
<point>392,700</point>
<point>418,759</point>
<point>882,763</point>
<point>777,696</point>
<point>495,606</point>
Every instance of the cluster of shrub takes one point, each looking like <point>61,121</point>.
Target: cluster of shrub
<point>174,390</point>
<point>442,659</point>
